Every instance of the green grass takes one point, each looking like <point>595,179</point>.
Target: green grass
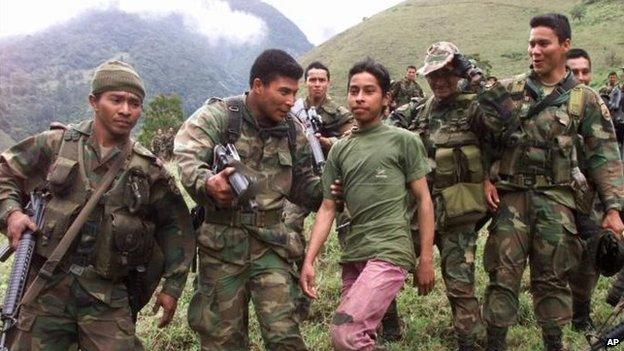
<point>427,318</point>
<point>497,30</point>
<point>5,141</point>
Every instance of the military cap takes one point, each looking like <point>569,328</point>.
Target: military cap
<point>438,55</point>
<point>116,75</point>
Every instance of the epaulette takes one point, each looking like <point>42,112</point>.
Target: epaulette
<point>71,133</point>
<point>58,125</point>
<point>143,151</point>
<point>212,100</point>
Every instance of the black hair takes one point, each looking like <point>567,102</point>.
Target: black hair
<point>557,22</point>
<point>376,69</point>
<point>612,73</point>
<point>273,63</point>
<point>411,66</point>
<point>315,65</point>
<point>578,53</point>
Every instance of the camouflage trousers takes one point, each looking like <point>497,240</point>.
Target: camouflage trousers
<point>530,225</point>
<point>66,317</point>
<point>583,279</point>
<point>219,309</point>
<point>458,247</point>
<point>294,218</point>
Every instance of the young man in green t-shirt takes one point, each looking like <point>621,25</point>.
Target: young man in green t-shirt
<point>378,165</point>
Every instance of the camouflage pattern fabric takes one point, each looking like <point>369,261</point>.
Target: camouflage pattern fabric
<point>336,121</point>
<point>535,218</point>
<point>442,125</point>
<point>243,262</point>
<point>404,90</point>
<point>219,309</point>
<point>437,56</point>
<point>168,213</point>
<point>66,316</point>
<point>530,225</point>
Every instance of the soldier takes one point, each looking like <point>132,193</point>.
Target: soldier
<point>84,302</point>
<point>168,143</point>
<point>579,63</point>
<point>614,93</point>
<point>450,125</point>
<point>403,91</point>
<point>335,119</point>
<point>377,248</point>
<point>584,277</point>
<point>540,115</point>
<point>247,254</point>
<point>157,143</point>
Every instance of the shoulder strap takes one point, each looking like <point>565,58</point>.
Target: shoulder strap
<point>235,105</point>
<point>48,268</point>
<point>292,136</point>
<point>560,89</point>
<point>576,104</point>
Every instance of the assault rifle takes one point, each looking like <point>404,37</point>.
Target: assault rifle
<point>242,184</point>
<point>20,268</point>
<point>314,125</point>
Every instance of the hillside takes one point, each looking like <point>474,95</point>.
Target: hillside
<point>497,30</point>
<point>45,76</point>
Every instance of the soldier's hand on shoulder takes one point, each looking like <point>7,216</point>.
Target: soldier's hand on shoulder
<point>218,187</point>
<point>17,223</point>
<point>169,305</point>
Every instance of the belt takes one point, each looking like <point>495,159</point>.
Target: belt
<point>528,180</point>
<point>237,218</point>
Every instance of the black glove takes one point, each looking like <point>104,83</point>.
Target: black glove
<point>462,67</point>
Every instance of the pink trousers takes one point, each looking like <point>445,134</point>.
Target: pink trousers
<point>368,288</point>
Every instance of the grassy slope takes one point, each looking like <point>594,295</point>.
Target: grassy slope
<point>427,318</point>
<point>400,36</point>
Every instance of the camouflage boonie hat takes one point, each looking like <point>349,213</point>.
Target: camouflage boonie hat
<point>438,55</point>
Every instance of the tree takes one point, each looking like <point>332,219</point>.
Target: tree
<point>162,112</point>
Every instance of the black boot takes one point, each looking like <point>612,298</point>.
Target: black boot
<point>581,321</point>
<point>496,339</point>
<point>552,338</point>
<point>465,343</point>
<point>391,324</point>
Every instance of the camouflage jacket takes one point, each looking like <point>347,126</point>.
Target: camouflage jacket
<point>26,166</point>
<point>280,175</point>
<point>540,152</point>
<point>404,90</point>
<point>404,116</point>
<point>336,119</point>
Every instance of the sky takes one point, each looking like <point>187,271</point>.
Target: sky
<point>318,19</point>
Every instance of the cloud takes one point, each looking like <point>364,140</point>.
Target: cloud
<point>213,18</point>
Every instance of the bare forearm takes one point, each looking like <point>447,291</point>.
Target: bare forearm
<point>320,229</point>
<point>426,227</point>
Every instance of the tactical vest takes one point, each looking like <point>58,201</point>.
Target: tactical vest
<point>541,151</point>
<point>456,149</point>
<point>118,236</point>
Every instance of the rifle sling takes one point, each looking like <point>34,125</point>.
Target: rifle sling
<point>48,268</point>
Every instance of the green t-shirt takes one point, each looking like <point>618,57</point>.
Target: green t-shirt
<point>375,165</point>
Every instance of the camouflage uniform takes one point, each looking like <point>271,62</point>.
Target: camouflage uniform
<point>336,120</point>
<point>86,301</point>
<point>158,144</point>
<point>535,218</point>
<point>404,90</point>
<point>247,255</point>
<point>450,130</point>
<point>404,116</point>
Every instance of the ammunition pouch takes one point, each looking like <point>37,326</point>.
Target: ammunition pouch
<point>460,164</point>
<point>125,243</point>
<point>462,203</point>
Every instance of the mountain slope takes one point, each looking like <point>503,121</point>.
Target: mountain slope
<point>45,76</point>
<point>497,30</point>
